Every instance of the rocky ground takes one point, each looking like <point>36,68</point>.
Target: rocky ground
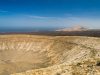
<point>49,55</point>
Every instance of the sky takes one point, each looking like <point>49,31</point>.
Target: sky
<point>30,15</point>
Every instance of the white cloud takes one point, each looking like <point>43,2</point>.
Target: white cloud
<point>40,21</point>
<point>3,11</point>
<point>39,17</point>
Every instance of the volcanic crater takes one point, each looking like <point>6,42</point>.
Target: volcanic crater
<point>20,53</point>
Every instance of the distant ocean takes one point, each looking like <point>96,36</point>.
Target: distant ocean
<point>27,29</point>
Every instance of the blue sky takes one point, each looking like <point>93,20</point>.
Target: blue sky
<point>48,14</point>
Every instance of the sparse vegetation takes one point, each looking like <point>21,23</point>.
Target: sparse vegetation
<point>98,63</point>
<point>58,74</point>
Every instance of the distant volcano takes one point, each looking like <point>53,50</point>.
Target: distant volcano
<point>75,28</point>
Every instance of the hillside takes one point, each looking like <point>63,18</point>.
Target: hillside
<point>49,55</point>
<point>74,28</point>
